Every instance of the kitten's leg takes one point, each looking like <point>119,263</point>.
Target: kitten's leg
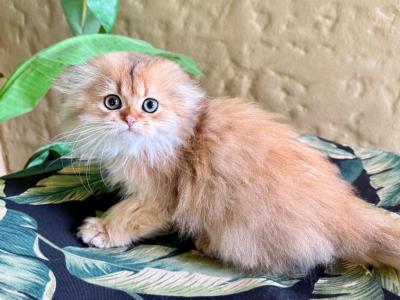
<point>125,222</point>
<point>202,243</point>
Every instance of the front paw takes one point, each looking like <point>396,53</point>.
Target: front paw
<point>94,233</point>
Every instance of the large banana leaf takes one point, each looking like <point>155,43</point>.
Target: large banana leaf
<point>48,152</point>
<point>90,16</point>
<point>32,79</point>
<point>22,274</point>
<point>105,11</point>
<point>159,270</point>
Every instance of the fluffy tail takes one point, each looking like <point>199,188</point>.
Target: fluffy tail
<point>378,240</point>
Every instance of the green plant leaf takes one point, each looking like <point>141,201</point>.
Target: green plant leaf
<point>75,182</point>
<point>48,152</point>
<point>22,274</point>
<point>160,270</point>
<point>105,11</point>
<point>80,19</point>
<point>383,169</point>
<point>45,167</point>
<point>32,79</point>
<point>90,16</point>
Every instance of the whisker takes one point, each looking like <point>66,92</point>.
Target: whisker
<point>88,165</point>
<point>80,162</point>
<point>80,131</point>
<point>79,141</point>
<point>87,125</point>
<point>101,163</point>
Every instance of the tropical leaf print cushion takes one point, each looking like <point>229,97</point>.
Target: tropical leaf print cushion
<point>40,257</point>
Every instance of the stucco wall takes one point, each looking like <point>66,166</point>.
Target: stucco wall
<point>330,67</point>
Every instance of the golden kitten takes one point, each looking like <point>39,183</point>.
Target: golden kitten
<point>220,170</point>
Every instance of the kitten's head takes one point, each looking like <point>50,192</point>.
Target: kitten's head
<point>129,105</point>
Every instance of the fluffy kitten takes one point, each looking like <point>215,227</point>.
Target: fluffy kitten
<point>220,170</point>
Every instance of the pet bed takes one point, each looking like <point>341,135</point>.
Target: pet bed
<point>41,258</point>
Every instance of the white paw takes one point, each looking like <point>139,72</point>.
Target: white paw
<point>94,233</point>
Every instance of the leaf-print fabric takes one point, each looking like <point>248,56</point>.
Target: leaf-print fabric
<point>41,258</point>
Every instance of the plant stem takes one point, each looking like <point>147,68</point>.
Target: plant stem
<point>83,17</point>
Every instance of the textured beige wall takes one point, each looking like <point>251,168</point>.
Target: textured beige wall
<point>331,67</point>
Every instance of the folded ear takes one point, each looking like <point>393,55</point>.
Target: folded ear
<point>75,78</point>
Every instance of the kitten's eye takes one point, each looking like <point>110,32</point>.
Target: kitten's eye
<point>112,102</point>
<point>150,105</point>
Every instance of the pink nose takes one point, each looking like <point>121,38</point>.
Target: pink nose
<point>130,121</point>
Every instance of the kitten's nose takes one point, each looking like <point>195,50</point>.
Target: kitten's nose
<point>130,121</point>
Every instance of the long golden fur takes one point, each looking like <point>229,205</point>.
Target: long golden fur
<point>220,170</point>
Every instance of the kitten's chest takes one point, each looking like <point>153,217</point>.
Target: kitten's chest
<point>134,178</point>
